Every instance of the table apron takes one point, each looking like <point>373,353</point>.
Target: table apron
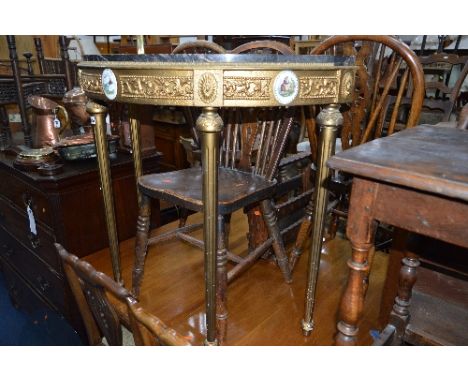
<point>424,213</point>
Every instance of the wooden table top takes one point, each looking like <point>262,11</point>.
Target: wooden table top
<point>427,158</point>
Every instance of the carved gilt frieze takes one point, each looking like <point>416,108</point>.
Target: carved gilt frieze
<point>90,82</point>
<point>246,88</point>
<point>175,88</point>
<point>318,87</point>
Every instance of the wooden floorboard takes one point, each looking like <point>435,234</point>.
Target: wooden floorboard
<point>263,309</point>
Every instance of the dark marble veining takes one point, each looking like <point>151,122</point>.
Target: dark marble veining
<point>225,58</point>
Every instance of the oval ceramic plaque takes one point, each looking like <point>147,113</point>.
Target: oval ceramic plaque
<point>109,84</point>
<point>285,87</point>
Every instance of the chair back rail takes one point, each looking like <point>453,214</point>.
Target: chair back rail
<point>263,46</point>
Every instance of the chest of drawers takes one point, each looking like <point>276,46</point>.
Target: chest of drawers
<point>36,211</point>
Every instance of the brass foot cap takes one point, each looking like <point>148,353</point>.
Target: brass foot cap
<point>307,328</point>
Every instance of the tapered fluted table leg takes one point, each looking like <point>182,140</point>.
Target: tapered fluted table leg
<point>209,125</point>
<point>97,113</point>
<point>329,119</point>
<point>221,285</point>
<point>136,146</point>
<point>135,131</point>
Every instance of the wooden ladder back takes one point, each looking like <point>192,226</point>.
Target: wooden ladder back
<point>446,96</point>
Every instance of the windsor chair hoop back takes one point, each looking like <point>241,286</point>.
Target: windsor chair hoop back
<point>389,83</point>
<point>380,61</point>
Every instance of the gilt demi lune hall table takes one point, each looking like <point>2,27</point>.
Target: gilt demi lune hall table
<point>212,81</point>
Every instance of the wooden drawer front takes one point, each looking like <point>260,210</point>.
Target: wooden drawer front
<point>43,279</point>
<point>20,193</point>
<point>16,223</point>
<point>22,295</point>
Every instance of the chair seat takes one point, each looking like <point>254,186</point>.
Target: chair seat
<point>237,189</point>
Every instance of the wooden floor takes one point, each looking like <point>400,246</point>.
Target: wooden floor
<point>263,309</point>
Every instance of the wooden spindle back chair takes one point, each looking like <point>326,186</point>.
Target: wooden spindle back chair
<point>105,319</point>
<point>389,77</point>
<point>293,174</point>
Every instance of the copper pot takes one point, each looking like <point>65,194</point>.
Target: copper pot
<point>45,129</point>
<point>75,102</point>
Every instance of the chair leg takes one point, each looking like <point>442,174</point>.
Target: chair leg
<point>333,227</point>
<point>227,229</point>
<point>258,232</point>
<point>184,212</point>
<point>302,235</point>
<point>221,285</point>
<point>278,246</point>
<point>335,217</point>
<point>141,243</point>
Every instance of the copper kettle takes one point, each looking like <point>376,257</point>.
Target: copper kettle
<point>49,121</point>
<point>75,102</point>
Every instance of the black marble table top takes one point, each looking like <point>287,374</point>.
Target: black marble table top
<point>225,58</point>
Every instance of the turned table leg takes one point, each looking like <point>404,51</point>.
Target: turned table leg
<point>360,230</point>
<point>399,316</point>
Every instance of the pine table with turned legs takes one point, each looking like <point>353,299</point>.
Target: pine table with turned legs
<point>416,180</point>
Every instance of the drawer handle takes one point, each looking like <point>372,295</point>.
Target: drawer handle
<point>7,250</point>
<point>43,284</point>
<point>34,240</point>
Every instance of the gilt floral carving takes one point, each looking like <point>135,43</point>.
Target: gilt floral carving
<point>240,88</point>
<point>318,87</point>
<point>90,82</point>
<point>176,88</point>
